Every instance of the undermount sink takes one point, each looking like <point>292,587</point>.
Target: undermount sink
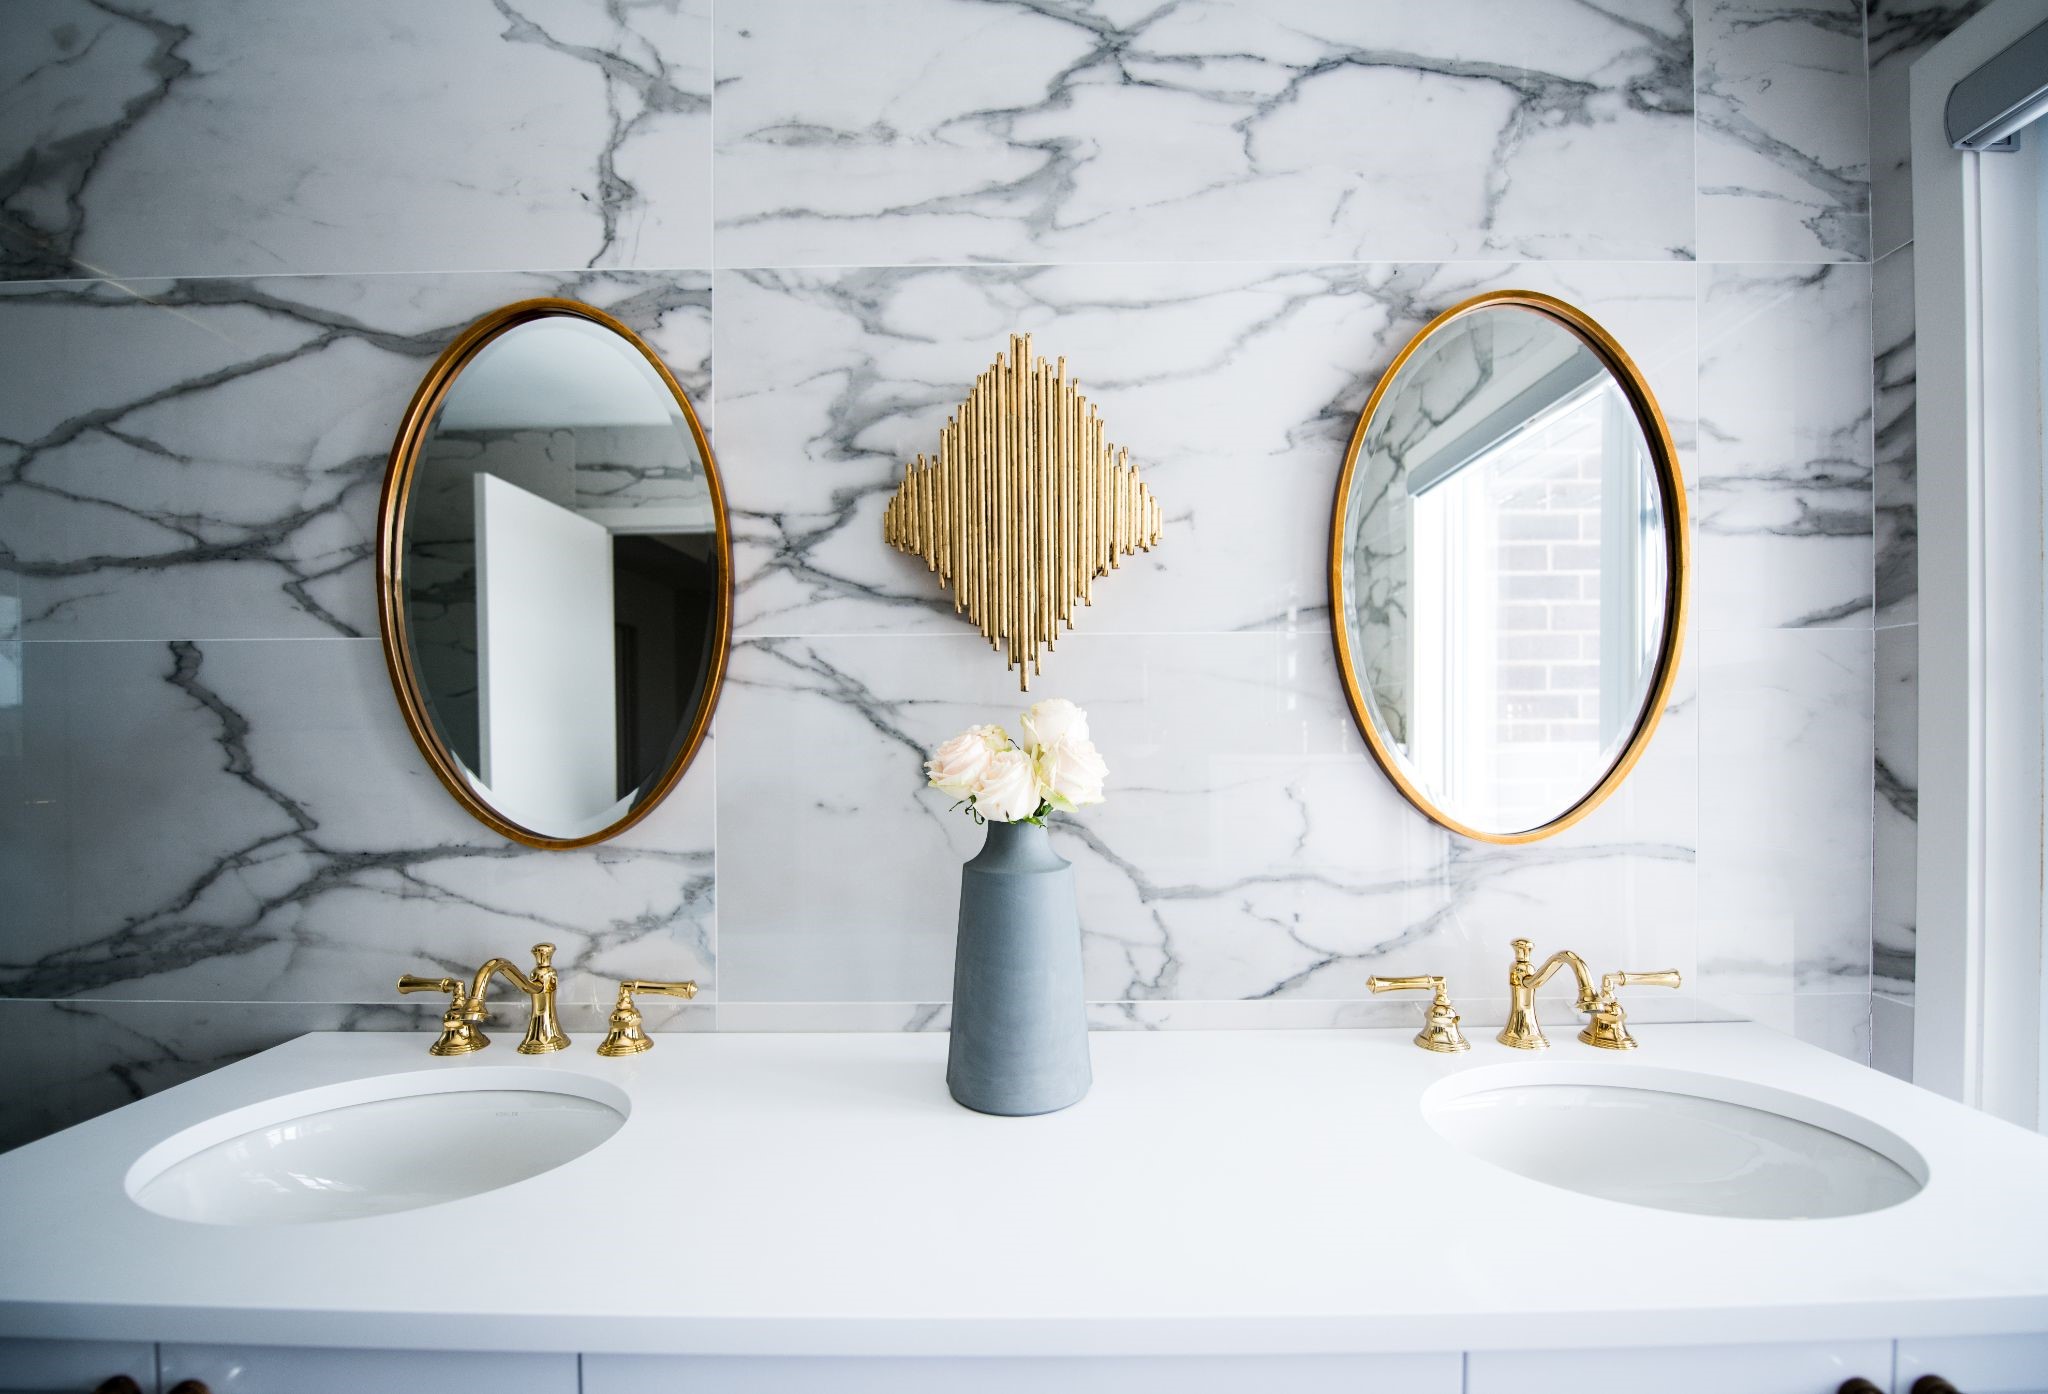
<point>1675,1140</point>
<point>376,1147</point>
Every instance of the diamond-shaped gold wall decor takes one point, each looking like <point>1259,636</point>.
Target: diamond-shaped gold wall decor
<point>1024,506</point>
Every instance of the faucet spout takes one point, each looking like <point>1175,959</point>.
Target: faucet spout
<point>1565,958</point>
<point>544,1031</point>
<point>483,981</point>
<point>1523,1031</point>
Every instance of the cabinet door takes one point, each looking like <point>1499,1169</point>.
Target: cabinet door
<point>1773,1369</point>
<point>62,1367</point>
<point>1978,1364</point>
<point>1242,1374</point>
<point>298,1370</point>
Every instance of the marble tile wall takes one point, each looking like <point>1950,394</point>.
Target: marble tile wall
<point>231,241</point>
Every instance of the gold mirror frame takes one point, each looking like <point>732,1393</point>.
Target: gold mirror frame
<point>1671,496</point>
<point>398,480</point>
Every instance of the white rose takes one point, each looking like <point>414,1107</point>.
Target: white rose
<point>958,765</point>
<point>1008,791</point>
<point>1072,772</point>
<point>1054,720</point>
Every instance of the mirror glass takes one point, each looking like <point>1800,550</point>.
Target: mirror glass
<point>1504,567</point>
<point>561,570</point>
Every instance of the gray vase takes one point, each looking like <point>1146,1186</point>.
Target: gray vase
<point>1020,1028</point>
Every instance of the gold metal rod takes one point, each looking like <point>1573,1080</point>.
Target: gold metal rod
<point>1024,504</point>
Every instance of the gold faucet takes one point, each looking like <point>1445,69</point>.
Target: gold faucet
<point>543,1032</point>
<point>1523,1031</point>
<point>459,1035</point>
<point>1440,1031</point>
<point>1609,1027</point>
<point>626,1036</point>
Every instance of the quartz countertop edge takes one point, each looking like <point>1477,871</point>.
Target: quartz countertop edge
<point>1217,1193</point>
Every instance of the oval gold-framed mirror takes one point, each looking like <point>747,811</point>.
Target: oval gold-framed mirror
<point>1509,567</point>
<point>554,574</point>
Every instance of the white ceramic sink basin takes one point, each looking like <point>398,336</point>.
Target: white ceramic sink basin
<point>1676,1140</point>
<point>376,1146</point>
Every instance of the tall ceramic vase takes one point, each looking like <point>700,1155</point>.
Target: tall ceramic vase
<point>1020,1028</point>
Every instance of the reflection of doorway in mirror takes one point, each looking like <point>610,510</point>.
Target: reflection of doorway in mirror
<point>1542,563</point>
<point>547,704</point>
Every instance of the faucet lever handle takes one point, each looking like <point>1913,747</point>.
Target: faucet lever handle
<point>1440,1031</point>
<point>1666,977</point>
<point>459,1035</point>
<point>1609,1027</point>
<point>626,1036</point>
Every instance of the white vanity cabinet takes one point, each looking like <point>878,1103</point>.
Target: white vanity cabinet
<point>1978,1364</point>
<point>60,1367</point>
<point>1800,1368</point>
<point>1973,1365</point>
<point>296,1370</point>
<point>1240,1374</point>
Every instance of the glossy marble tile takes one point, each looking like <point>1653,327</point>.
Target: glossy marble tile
<point>1838,1021</point>
<point>1891,1037</point>
<point>929,131</point>
<point>1899,31</point>
<point>1894,911</point>
<point>250,821</point>
<point>1896,438</point>
<point>165,138</point>
<point>1786,735</point>
<point>1784,485</point>
<point>201,459</point>
<point>1783,156</point>
<point>87,1057</point>
<point>1236,389</point>
<point>1249,849</point>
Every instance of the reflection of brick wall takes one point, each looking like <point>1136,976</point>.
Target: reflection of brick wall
<point>1547,565</point>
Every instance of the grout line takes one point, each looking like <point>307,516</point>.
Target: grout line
<point>712,268</point>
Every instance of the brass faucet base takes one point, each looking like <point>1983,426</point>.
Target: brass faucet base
<point>1609,1027</point>
<point>1443,1038</point>
<point>463,1039</point>
<point>459,1034</point>
<point>1607,1037</point>
<point>626,1036</point>
<point>1440,1031</point>
<point>625,1042</point>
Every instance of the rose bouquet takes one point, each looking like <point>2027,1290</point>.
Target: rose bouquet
<point>1055,768</point>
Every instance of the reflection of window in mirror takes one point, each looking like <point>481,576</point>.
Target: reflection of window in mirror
<point>1539,593</point>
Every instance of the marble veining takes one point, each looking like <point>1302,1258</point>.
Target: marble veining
<point>1894,908</point>
<point>931,131</point>
<point>1236,389</point>
<point>1785,472</point>
<point>154,138</point>
<point>230,245</point>
<point>1785,815</point>
<point>1249,851</point>
<point>1783,159</point>
<point>217,474</point>
<point>1896,437</point>
<point>251,821</point>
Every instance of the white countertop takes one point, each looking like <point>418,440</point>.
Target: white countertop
<point>1217,1192</point>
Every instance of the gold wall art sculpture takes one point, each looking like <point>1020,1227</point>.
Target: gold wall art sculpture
<point>1024,506</point>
